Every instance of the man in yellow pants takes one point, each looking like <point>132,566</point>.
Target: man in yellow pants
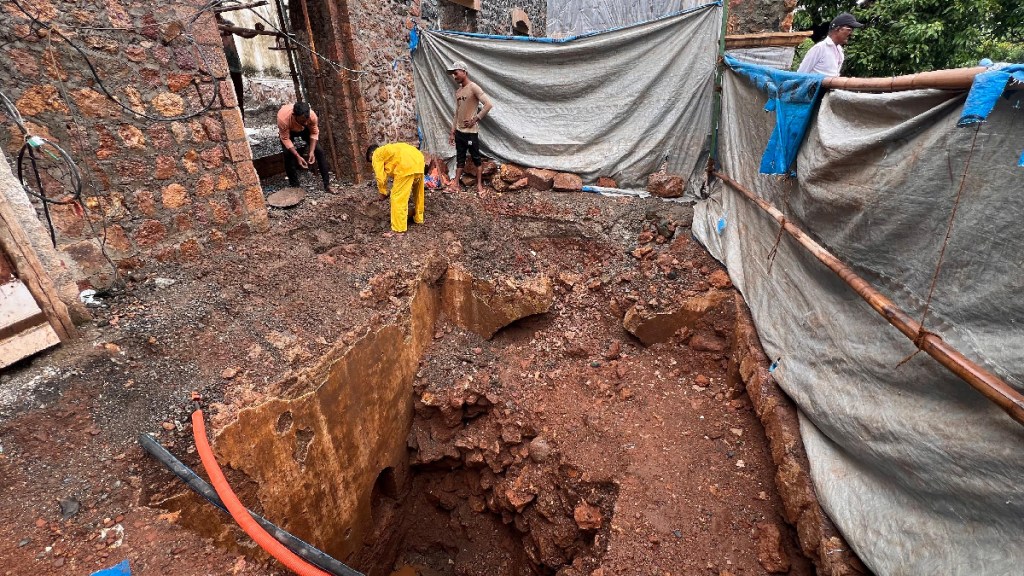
<point>404,165</point>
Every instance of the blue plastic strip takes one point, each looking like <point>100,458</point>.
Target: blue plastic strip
<point>414,39</point>
<point>793,97</point>
<point>121,569</point>
<point>986,89</point>
<point>545,40</point>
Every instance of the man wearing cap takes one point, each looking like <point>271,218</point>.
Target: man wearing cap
<point>299,121</point>
<point>826,57</point>
<point>465,134</point>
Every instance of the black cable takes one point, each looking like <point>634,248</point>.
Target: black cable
<point>304,550</point>
<point>92,69</point>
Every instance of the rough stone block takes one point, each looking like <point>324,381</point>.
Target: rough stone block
<point>652,327</point>
<point>176,82</point>
<point>487,167</point>
<point>132,136</point>
<point>41,98</point>
<point>511,173</point>
<point>239,151</point>
<point>204,186</point>
<point>145,202</point>
<point>566,182</point>
<point>25,63</point>
<point>174,196</point>
<point>256,208</point>
<point>212,157</point>
<point>166,168</point>
<point>190,249</point>
<point>606,182</point>
<point>227,94</point>
<point>227,179</point>
<point>150,233</point>
<point>233,125</point>
<point>540,179</point>
<point>168,104</point>
<point>666,185</point>
<point>247,173</point>
<point>191,161</point>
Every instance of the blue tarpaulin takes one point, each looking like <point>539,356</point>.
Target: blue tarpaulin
<point>987,88</point>
<point>121,569</point>
<point>793,97</point>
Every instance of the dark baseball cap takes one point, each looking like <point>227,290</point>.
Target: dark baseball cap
<point>846,19</point>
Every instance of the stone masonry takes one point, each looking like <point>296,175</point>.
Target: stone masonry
<point>373,100</point>
<point>157,189</point>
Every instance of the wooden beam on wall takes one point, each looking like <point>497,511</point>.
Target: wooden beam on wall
<point>775,39</point>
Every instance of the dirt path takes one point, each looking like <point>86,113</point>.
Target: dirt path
<point>679,465</point>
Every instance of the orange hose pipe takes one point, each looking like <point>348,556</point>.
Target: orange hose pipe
<point>237,509</point>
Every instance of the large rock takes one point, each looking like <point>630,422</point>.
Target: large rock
<point>653,327</point>
<point>540,179</point>
<point>770,553</point>
<point>606,182</point>
<point>510,173</point>
<point>666,185</point>
<point>486,306</point>
<point>566,182</point>
<point>488,167</point>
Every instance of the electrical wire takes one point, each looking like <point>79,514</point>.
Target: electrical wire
<point>99,81</point>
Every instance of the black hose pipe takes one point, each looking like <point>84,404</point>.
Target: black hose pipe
<point>304,550</point>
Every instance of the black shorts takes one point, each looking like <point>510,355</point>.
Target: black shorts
<point>464,142</point>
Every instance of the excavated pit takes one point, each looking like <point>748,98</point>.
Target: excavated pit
<point>557,422</point>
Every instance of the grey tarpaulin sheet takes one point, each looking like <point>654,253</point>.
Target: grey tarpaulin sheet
<point>574,17</point>
<point>920,472</point>
<point>615,104</point>
<point>775,57</point>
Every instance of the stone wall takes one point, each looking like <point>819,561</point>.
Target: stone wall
<point>750,16</point>
<point>162,188</point>
<point>371,39</point>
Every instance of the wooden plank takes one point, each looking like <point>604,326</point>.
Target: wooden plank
<point>24,344</point>
<point>6,268</point>
<point>17,305</point>
<point>27,266</point>
<point>777,39</point>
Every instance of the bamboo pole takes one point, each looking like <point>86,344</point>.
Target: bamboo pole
<point>956,79</point>
<point>988,384</point>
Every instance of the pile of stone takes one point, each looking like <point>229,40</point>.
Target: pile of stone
<point>513,178</point>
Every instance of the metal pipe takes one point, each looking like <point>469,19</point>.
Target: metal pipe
<point>320,89</point>
<point>956,79</point>
<point>988,384</point>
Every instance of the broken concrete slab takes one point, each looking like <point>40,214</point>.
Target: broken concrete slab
<point>486,306</point>
<point>654,327</point>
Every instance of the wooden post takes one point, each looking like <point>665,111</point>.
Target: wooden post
<point>15,242</point>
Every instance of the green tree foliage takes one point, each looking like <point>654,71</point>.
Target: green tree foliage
<point>908,36</point>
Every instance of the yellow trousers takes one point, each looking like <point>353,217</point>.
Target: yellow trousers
<point>400,190</point>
